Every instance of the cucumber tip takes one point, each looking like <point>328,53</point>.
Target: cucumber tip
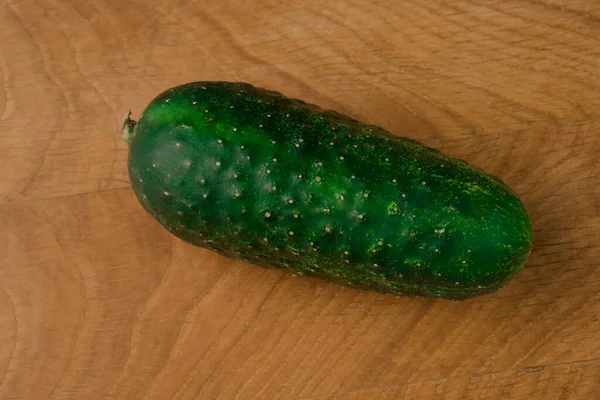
<point>127,127</point>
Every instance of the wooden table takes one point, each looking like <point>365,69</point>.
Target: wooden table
<point>97,301</point>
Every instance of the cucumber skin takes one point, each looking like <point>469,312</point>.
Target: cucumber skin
<point>252,174</point>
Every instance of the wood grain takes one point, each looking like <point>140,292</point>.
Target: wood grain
<point>98,301</point>
<point>563,381</point>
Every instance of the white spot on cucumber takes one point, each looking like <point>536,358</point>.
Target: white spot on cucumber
<point>291,201</point>
<point>393,180</point>
<point>365,195</point>
<point>318,179</point>
<point>341,157</point>
<point>360,216</point>
<point>235,129</point>
<point>219,141</point>
<point>268,214</point>
<point>218,163</point>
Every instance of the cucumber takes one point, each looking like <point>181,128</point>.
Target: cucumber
<point>252,174</point>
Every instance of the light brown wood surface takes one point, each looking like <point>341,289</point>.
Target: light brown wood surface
<point>97,301</point>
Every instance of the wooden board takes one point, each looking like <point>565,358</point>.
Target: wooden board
<point>98,301</point>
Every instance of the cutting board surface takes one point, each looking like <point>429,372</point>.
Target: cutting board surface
<point>98,301</point>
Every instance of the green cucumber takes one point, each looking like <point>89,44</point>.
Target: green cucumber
<point>250,173</point>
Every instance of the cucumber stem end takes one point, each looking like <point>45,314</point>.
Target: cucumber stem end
<point>127,128</point>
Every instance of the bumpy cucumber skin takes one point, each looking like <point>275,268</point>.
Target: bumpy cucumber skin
<point>253,174</point>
